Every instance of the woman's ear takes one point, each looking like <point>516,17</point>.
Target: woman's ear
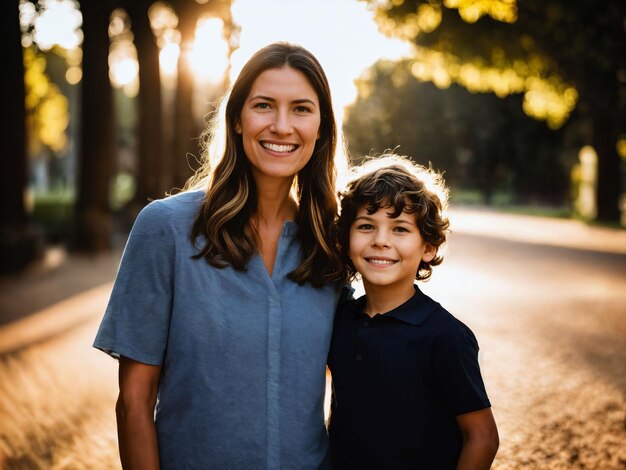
<point>238,126</point>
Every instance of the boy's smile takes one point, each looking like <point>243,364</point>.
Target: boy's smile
<point>387,251</point>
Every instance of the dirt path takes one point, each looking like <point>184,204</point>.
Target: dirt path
<point>551,322</point>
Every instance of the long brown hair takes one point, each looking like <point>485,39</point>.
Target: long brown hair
<point>225,217</point>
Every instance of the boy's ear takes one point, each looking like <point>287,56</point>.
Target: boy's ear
<point>429,253</point>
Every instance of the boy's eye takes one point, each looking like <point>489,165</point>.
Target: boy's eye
<point>365,227</point>
<point>401,229</point>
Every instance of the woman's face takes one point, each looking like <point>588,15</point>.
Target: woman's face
<point>279,123</point>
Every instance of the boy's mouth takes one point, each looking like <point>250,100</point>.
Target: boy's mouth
<point>381,261</point>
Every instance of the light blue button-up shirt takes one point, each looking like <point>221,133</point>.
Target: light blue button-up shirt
<point>243,354</point>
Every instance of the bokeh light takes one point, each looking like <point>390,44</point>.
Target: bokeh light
<point>48,108</point>
<point>163,21</point>
<point>123,64</point>
<point>546,97</point>
<point>57,24</point>
<point>209,54</point>
<point>588,173</point>
<point>472,10</point>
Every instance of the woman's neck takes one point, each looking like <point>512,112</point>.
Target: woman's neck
<point>274,202</point>
<point>274,206</point>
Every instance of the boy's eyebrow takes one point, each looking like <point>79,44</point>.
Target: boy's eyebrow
<point>273,100</point>
<point>400,221</point>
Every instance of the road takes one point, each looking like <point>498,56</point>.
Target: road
<point>549,313</point>
<point>551,323</point>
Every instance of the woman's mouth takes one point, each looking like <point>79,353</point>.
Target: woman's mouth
<point>279,148</point>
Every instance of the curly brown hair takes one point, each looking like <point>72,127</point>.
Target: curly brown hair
<point>395,182</point>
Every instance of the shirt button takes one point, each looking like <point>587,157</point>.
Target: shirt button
<point>359,357</point>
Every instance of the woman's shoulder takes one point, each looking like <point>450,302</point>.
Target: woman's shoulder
<point>171,215</point>
<point>176,208</point>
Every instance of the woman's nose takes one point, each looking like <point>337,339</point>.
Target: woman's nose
<point>281,123</point>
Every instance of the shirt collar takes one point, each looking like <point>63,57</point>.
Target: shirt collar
<point>414,311</point>
<point>290,228</point>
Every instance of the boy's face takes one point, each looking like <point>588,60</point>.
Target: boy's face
<point>387,251</point>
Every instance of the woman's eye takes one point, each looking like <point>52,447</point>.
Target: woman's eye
<point>262,105</point>
<point>302,109</point>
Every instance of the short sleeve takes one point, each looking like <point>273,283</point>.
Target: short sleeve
<point>137,318</point>
<point>457,373</point>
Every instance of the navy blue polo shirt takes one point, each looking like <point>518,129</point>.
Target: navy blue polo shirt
<point>399,381</point>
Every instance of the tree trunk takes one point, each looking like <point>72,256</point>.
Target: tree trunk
<point>186,129</point>
<point>19,243</point>
<point>93,220</point>
<point>608,187</point>
<point>150,142</point>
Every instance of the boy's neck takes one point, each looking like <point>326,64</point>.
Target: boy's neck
<point>383,299</point>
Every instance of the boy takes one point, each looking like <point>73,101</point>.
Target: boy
<point>407,389</point>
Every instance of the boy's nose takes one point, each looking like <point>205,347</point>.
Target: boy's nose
<point>380,239</point>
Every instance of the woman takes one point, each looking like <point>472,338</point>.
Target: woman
<point>223,304</point>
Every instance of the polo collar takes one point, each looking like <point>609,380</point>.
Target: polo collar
<point>414,311</point>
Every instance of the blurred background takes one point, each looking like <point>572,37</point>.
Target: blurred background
<point>521,104</point>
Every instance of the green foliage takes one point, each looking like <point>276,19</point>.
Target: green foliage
<point>478,140</point>
<point>123,189</point>
<point>568,54</point>
<point>53,212</point>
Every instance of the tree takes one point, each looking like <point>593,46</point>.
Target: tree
<point>478,140</point>
<point>93,215</point>
<point>560,55</point>
<point>18,243</point>
<point>186,129</point>
<point>150,174</point>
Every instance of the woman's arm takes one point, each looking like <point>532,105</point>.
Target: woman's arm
<point>135,415</point>
<point>480,440</point>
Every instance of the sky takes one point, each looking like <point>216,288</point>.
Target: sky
<point>342,35</point>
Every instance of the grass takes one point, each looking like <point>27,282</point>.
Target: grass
<point>54,416</point>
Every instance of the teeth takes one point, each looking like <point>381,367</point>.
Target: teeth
<point>278,148</point>
<point>381,261</point>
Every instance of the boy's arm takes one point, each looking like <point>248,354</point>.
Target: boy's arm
<point>480,440</point>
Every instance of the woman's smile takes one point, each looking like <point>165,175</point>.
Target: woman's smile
<point>279,123</point>
<point>278,148</point>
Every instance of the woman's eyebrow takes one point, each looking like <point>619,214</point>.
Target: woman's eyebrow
<point>273,100</point>
<point>304,100</point>
<point>262,97</point>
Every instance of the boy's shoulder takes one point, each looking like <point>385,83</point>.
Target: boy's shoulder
<point>447,330</point>
<point>428,317</point>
